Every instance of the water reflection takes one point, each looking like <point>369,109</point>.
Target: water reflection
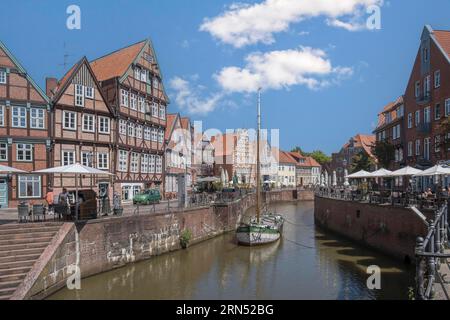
<point>306,264</point>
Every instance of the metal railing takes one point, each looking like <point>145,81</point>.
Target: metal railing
<point>431,256</point>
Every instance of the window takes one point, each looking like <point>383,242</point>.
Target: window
<point>437,143</point>
<point>144,75</point>
<point>131,130</point>
<point>103,125</point>
<point>79,95</point>
<point>162,112</point>
<point>2,116</point>
<point>89,92</point>
<point>437,79</point>
<point>24,152</point>
<point>410,149</point>
<point>158,164</point>
<point>144,163</point>
<point>437,112</point>
<point>124,98</point>
<point>3,152</point>
<point>154,135</point>
<point>139,131</point>
<point>19,117</point>
<point>86,158</point>
<point>123,161</point>
<point>134,164</point>
<point>29,186</point>
<point>69,120</point>
<point>400,111</point>
<point>447,107</point>
<point>425,54</point>
<point>155,83</point>
<point>103,161</point>
<point>141,104</point>
<point>133,101</point>
<point>396,132</point>
<point>147,133</point>
<point>417,89</point>
<point>426,148</point>
<point>154,110</point>
<point>388,117</point>
<point>37,117</point>
<point>417,117</point>
<point>427,86</point>
<point>410,120</point>
<point>88,123</point>
<point>137,73</point>
<point>68,158</point>
<point>152,163</point>
<point>417,147</point>
<point>427,115</point>
<point>123,127</point>
<point>161,136</point>
<point>2,77</point>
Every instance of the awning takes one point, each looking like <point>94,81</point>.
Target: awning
<point>75,169</point>
<point>6,169</point>
<point>406,172</point>
<point>434,171</point>
<point>359,175</point>
<point>382,173</point>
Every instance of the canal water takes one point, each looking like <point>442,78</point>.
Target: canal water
<point>307,263</point>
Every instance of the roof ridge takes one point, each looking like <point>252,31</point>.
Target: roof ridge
<point>115,51</point>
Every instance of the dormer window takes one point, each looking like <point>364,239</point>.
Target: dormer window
<point>79,95</point>
<point>89,92</point>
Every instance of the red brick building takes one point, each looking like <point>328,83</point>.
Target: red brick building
<point>391,129</point>
<point>131,80</point>
<point>24,132</point>
<point>427,101</point>
<point>83,128</point>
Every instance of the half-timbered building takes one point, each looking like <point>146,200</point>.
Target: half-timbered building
<point>83,128</point>
<point>24,132</point>
<point>132,83</point>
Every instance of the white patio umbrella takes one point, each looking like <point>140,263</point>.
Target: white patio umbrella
<point>359,175</point>
<point>346,183</point>
<point>382,173</point>
<point>76,169</point>
<point>434,171</point>
<point>334,182</point>
<point>6,169</point>
<point>406,172</point>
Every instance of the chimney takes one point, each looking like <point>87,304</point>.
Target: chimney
<point>50,84</point>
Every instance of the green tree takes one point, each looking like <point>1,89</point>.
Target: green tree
<point>298,150</point>
<point>361,161</point>
<point>384,152</point>
<point>320,157</point>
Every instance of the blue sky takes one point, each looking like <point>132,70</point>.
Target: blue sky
<point>339,81</point>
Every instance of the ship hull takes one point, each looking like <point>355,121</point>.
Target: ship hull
<point>255,236</point>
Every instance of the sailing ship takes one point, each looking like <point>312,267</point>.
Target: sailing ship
<point>267,227</point>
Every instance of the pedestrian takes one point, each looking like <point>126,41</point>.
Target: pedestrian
<point>63,197</point>
<point>49,198</point>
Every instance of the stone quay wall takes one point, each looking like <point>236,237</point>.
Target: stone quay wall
<point>102,245</point>
<point>390,230</point>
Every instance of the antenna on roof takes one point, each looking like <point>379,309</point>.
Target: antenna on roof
<point>66,57</point>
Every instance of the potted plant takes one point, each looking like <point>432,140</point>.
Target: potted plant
<point>185,238</point>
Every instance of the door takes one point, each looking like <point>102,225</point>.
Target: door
<point>3,193</point>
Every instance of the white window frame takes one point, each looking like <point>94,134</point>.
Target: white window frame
<point>123,127</point>
<point>68,162</point>
<point>154,135</point>
<point>447,107</point>
<point>162,112</point>
<point>25,149</point>
<point>91,94</point>
<point>155,110</point>
<point>418,147</point>
<point>426,148</point>
<point>161,136</point>
<point>144,163</point>
<point>69,113</point>
<point>91,122</point>
<point>141,104</point>
<point>417,118</point>
<point>437,79</point>
<point>20,116</point>
<point>437,143</point>
<point>417,89</point>
<point>106,122</point>
<point>410,149</point>
<point>138,131</point>
<point>103,160</point>
<point>85,155</point>
<point>147,133</point>
<point>131,130</point>
<point>3,77</point>
<point>427,115</point>
<point>152,164</point>
<point>158,164</point>
<point>79,95</point>
<point>36,189</point>
<point>144,75</point>
<point>2,116</point>
<point>134,162</point>
<point>124,98</point>
<point>133,101</point>
<point>137,73</point>
<point>123,161</point>
<point>410,120</point>
<point>3,151</point>
<point>37,118</point>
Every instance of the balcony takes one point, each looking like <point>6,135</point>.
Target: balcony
<point>424,128</point>
<point>424,98</point>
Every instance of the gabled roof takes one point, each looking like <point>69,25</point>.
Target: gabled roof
<point>185,123</point>
<point>389,108</point>
<point>286,157</point>
<point>443,38</point>
<point>23,71</point>
<point>116,64</point>
<point>171,120</point>
<point>363,141</point>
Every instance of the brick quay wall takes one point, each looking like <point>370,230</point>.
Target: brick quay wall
<point>390,230</point>
<point>102,245</point>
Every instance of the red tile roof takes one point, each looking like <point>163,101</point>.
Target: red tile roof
<point>443,37</point>
<point>285,157</point>
<point>224,144</point>
<point>389,108</point>
<point>171,118</point>
<point>303,161</point>
<point>116,64</point>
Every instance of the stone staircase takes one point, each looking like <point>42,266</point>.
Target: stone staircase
<point>21,245</point>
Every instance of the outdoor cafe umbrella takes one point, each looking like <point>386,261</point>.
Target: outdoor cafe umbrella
<point>208,179</point>
<point>382,173</point>
<point>76,169</point>
<point>359,175</point>
<point>434,171</point>
<point>6,169</point>
<point>406,172</point>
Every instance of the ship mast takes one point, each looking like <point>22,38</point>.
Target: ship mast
<point>258,168</point>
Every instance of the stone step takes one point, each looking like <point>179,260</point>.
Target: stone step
<point>5,297</point>
<point>20,252</point>
<point>25,257</point>
<point>14,271</point>
<point>10,284</point>
<point>13,277</point>
<point>29,225</point>
<point>26,241</point>
<point>17,264</point>
<point>30,235</point>
<point>7,291</point>
<point>26,246</point>
<point>28,230</point>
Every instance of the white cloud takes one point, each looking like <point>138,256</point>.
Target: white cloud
<point>282,69</point>
<point>242,25</point>
<point>188,96</point>
<point>349,26</point>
